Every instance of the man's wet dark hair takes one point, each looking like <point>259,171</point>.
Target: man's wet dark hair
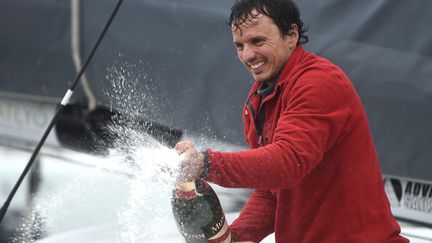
<point>284,13</point>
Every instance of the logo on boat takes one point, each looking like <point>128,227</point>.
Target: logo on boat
<point>412,195</point>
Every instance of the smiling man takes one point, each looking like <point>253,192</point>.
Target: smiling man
<point>311,160</point>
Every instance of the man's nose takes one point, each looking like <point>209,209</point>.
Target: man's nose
<point>248,54</point>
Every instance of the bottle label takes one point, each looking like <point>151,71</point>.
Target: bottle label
<point>220,233</point>
<point>223,236</point>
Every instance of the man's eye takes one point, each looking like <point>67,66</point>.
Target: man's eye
<point>239,46</point>
<point>258,42</point>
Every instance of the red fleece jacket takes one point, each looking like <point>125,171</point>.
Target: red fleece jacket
<point>315,172</point>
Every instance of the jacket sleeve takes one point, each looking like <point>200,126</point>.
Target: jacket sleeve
<point>314,116</point>
<point>256,220</point>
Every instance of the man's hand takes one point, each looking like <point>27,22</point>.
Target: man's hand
<point>192,166</point>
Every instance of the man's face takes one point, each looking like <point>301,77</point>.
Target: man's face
<point>262,48</point>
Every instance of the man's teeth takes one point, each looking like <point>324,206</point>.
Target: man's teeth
<point>255,66</point>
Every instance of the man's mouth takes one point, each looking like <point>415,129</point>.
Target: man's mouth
<point>256,65</point>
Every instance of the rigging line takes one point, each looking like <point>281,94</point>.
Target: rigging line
<point>60,108</point>
<point>76,52</point>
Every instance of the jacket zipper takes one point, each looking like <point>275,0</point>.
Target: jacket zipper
<point>249,106</point>
<point>260,128</point>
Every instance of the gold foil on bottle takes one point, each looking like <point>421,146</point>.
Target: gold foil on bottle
<point>187,186</point>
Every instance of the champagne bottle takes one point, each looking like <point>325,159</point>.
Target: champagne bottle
<point>198,213</point>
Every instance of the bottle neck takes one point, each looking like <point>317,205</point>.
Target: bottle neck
<point>186,190</point>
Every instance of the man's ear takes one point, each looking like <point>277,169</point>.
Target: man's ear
<point>293,35</point>
<point>293,31</point>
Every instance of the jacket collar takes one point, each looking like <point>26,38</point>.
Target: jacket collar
<point>295,58</point>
